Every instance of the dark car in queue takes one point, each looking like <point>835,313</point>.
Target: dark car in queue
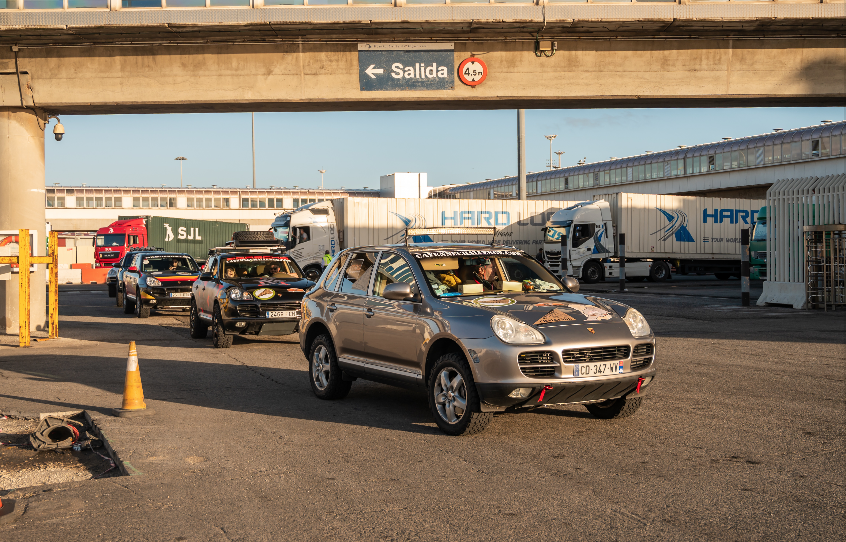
<point>482,328</point>
<point>247,293</point>
<point>157,280</point>
<point>114,277</point>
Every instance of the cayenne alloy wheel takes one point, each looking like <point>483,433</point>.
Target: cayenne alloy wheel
<point>320,368</point>
<point>450,395</point>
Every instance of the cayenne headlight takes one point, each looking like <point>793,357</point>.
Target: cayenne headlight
<point>637,324</point>
<point>513,332</point>
<point>152,281</point>
<point>238,294</point>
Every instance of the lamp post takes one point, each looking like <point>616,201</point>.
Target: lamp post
<point>550,138</point>
<point>181,159</point>
<point>559,153</point>
<point>254,149</point>
<point>322,171</point>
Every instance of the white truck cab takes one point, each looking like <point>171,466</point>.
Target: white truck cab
<point>584,234</point>
<point>308,232</point>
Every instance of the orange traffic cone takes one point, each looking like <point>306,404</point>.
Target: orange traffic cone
<point>133,393</point>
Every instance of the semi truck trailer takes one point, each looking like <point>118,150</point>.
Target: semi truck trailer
<point>312,230</point>
<point>691,234</point>
<point>190,236</point>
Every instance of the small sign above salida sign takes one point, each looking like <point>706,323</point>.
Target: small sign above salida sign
<point>406,66</point>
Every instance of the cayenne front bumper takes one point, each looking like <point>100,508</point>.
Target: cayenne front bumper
<point>161,297</point>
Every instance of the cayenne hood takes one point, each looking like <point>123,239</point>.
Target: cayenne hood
<point>539,309</point>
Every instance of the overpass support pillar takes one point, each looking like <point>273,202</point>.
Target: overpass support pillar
<point>22,206</point>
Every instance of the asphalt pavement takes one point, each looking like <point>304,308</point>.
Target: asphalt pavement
<point>740,438</point>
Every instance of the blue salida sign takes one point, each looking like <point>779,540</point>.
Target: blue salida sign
<point>406,66</point>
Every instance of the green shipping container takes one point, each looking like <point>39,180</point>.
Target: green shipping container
<point>194,237</point>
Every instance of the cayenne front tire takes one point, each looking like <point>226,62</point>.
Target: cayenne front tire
<point>453,398</point>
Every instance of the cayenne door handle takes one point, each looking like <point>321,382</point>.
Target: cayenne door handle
<point>368,313</point>
<point>332,307</point>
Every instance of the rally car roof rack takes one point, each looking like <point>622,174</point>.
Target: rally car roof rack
<point>146,249</point>
<point>409,232</point>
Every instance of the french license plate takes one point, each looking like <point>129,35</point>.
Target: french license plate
<point>598,369</point>
<point>281,314</point>
<point>181,294</point>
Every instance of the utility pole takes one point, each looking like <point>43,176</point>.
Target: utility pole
<point>559,153</point>
<point>550,138</point>
<point>254,149</point>
<point>521,153</point>
<point>181,159</point>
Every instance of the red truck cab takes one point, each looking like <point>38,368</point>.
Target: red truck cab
<point>113,241</point>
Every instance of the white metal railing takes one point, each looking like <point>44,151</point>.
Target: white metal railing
<point>791,205</point>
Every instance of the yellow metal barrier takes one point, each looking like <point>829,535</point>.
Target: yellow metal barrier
<point>24,260</point>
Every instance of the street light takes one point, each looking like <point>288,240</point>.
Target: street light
<point>181,159</point>
<point>322,171</point>
<point>550,138</point>
<point>559,153</point>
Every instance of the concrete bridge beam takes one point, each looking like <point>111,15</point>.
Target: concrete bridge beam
<point>22,206</point>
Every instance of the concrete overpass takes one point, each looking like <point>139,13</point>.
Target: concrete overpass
<point>112,58</point>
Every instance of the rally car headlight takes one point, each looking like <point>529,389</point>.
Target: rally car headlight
<point>238,294</point>
<point>513,332</point>
<point>152,281</point>
<point>637,324</point>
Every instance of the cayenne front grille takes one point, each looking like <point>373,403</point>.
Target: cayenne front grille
<point>280,306</point>
<point>642,356</point>
<point>599,353</point>
<point>537,364</point>
<point>248,311</point>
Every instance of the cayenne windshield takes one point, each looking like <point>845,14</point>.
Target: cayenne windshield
<point>111,240</point>
<point>168,264</point>
<point>456,273</point>
<point>246,267</point>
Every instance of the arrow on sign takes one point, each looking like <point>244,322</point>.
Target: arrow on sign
<point>373,69</point>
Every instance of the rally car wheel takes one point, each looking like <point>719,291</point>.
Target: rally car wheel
<point>119,298</point>
<point>327,382</point>
<point>197,328</point>
<point>615,408</point>
<point>219,336</point>
<point>453,398</point>
<point>140,310</point>
<point>128,306</point>
<point>112,290</point>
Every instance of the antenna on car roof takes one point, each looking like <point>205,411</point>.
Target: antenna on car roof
<point>450,231</point>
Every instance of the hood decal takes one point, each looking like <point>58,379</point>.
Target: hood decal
<point>491,301</point>
<point>554,315</point>
<point>591,312</point>
<point>263,294</point>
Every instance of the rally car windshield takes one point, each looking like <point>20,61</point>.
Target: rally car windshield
<point>168,264</point>
<point>459,273</point>
<point>247,268</point>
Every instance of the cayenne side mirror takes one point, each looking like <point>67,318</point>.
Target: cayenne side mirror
<point>132,269</point>
<point>571,283</point>
<point>398,291</point>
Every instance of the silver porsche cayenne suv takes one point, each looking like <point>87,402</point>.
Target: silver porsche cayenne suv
<point>483,328</point>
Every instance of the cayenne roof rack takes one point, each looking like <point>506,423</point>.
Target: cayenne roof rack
<point>451,231</point>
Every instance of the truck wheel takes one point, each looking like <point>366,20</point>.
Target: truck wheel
<point>593,272</point>
<point>312,273</point>
<point>659,272</point>
<point>197,328</point>
<point>615,408</point>
<point>453,398</point>
<point>119,298</point>
<point>327,381</point>
<point>253,236</point>
<point>112,290</point>
<point>140,310</point>
<point>219,336</point>
<point>128,306</point>
<point>723,276</point>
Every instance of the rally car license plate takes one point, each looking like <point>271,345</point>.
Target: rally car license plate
<point>181,294</point>
<point>597,369</point>
<point>281,314</point>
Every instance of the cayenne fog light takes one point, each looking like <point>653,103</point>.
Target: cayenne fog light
<point>637,324</point>
<point>240,324</point>
<point>238,294</point>
<point>520,393</point>
<point>152,281</point>
<point>513,332</point>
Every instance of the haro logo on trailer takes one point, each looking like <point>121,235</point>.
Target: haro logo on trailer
<point>677,227</point>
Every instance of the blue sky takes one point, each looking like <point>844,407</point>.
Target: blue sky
<point>355,148</point>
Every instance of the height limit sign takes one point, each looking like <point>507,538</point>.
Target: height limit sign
<point>406,66</point>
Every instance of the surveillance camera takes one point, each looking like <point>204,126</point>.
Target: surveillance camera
<point>59,131</point>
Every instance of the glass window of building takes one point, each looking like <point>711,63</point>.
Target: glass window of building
<point>279,204</point>
<point>768,154</point>
<point>795,150</point>
<point>777,153</point>
<point>98,201</point>
<point>825,146</point>
<point>136,202</point>
<point>741,158</point>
